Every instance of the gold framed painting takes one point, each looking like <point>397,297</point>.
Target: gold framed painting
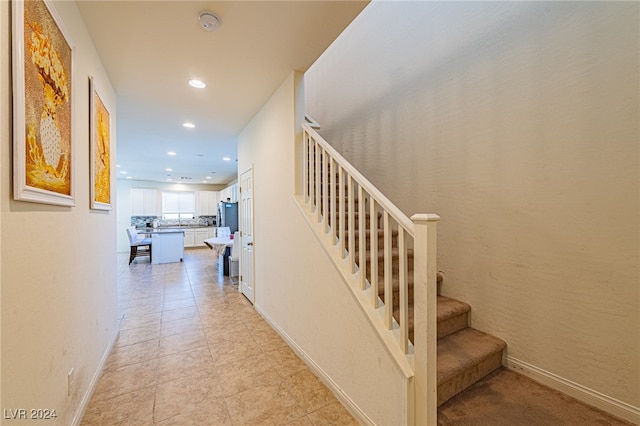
<point>42,105</point>
<point>100,166</point>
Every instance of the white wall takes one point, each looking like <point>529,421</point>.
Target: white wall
<point>124,202</point>
<point>296,286</point>
<point>517,123</point>
<point>58,276</point>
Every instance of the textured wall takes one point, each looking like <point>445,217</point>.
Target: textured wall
<point>518,124</point>
<point>58,281</point>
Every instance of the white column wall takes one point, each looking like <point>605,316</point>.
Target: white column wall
<point>58,276</point>
<point>296,286</point>
<point>517,123</point>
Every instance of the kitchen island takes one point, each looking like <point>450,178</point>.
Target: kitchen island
<point>167,244</point>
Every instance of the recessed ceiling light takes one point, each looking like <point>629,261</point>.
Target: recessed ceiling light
<point>198,84</point>
<point>189,125</point>
<point>123,172</point>
<point>226,158</point>
<point>129,177</point>
<point>169,180</point>
<point>168,169</point>
<point>204,181</point>
<point>208,177</point>
<point>171,153</point>
<point>117,165</point>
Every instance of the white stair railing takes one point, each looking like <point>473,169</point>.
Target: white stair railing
<point>357,219</point>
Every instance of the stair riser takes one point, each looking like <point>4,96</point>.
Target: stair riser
<point>457,384</point>
<point>453,325</point>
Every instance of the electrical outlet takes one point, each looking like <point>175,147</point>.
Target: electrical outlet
<point>70,381</point>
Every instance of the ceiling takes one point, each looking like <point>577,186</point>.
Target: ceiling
<point>151,49</point>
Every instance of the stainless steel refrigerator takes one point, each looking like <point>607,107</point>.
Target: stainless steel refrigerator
<point>228,215</point>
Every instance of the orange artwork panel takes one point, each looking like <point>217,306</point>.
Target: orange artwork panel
<point>47,101</point>
<point>102,152</point>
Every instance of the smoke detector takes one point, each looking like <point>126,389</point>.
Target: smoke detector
<point>208,21</point>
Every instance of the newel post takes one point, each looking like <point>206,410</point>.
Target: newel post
<point>425,319</point>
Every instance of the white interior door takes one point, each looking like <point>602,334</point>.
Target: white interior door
<point>246,229</point>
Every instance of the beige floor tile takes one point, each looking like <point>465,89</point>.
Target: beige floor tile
<point>179,303</point>
<point>175,296</point>
<point>218,319</point>
<point>285,361</point>
<point>310,392</point>
<point>246,374</point>
<point>147,298</point>
<point>132,354</point>
<point>129,321</point>
<point>234,350</point>
<point>137,335</point>
<point>264,405</point>
<point>137,311</point>
<point>176,287</point>
<point>268,339</point>
<point>302,421</point>
<point>180,313</point>
<point>209,412</point>
<point>180,326</point>
<point>182,342</point>
<point>194,363</point>
<point>333,414</point>
<point>208,302</point>
<point>183,395</point>
<point>220,335</point>
<point>135,408</point>
<point>126,379</point>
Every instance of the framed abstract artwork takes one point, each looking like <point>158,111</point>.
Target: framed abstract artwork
<point>100,158</point>
<point>42,105</point>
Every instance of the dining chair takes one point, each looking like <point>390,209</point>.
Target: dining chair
<point>223,232</point>
<point>139,246</point>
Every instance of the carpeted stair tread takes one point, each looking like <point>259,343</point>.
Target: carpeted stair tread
<point>453,316</point>
<point>448,308</point>
<point>464,358</point>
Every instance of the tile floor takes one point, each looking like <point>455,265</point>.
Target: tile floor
<point>193,351</point>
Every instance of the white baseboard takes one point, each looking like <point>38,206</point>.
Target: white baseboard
<point>326,379</point>
<point>582,393</point>
<point>94,381</point>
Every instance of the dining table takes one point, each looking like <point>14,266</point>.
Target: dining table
<point>222,248</point>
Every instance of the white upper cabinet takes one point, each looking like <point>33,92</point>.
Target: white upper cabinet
<point>207,203</point>
<point>230,192</point>
<point>144,202</point>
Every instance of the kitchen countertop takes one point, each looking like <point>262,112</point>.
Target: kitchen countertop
<point>160,230</point>
<point>174,227</point>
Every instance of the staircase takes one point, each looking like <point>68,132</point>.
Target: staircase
<point>465,355</point>
<point>378,248</point>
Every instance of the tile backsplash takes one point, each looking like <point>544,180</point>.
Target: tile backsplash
<point>142,221</point>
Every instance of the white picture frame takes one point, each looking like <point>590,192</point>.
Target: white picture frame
<point>43,105</point>
<point>100,149</point>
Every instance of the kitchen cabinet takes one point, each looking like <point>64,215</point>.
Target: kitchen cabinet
<point>201,235</point>
<point>230,192</point>
<point>167,246</point>
<point>207,203</point>
<point>189,237</point>
<point>144,202</point>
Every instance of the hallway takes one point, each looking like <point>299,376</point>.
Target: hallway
<point>193,351</point>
